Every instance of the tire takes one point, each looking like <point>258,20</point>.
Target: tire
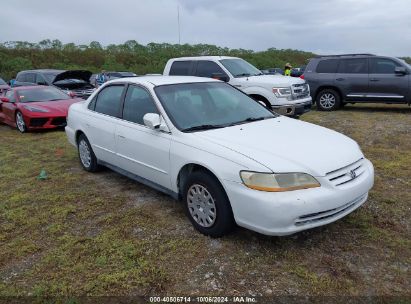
<point>20,123</point>
<point>328,100</point>
<point>203,193</point>
<point>88,159</point>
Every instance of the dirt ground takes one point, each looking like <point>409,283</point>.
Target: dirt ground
<point>77,233</point>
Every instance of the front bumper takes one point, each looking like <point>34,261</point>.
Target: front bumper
<point>296,109</point>
<point>51,122</point>
<point>285,213</point>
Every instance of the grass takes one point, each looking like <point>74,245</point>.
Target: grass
<point>77,233</point>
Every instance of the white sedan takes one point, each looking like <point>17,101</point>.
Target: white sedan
<point>229,159</point>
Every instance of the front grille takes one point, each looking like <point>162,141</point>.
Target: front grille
<point>300,90</point>
<point>83,92</point>
<point>328,214</point>
<point>38,122</point>
<point>346,174</point>
<point>59,121</point>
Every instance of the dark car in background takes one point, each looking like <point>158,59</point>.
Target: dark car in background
<point>297,72</point>
<point>339,79</point>
<point>3,86</point>
<point>74,82</point>
<point>273,71</point>
<point>116,75</point>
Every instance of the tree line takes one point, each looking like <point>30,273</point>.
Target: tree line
<point>129,56</point>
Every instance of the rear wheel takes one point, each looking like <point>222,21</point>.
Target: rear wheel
<point>207,205</point>
<point>87,157</point>
<point>328,100</point>
<point>20,124</point>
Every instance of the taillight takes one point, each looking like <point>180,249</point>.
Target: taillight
<point>302,76</point>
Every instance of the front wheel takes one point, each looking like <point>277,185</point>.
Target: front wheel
<point>207,205</point>
<point>87,157</point>
<point>20,124</point>
<point>328,100</point>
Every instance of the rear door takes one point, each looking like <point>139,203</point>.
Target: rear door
<point>352,78</point>
<point>141,150</point>
<point>384,83</point>
<point>100,129</point>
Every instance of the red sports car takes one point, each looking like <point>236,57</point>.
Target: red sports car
<point>35,107</point>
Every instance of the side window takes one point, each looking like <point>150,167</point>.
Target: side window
<point>383,66</point>
<point>327,66</point>
<point>21,78</point>
<point>353,66</point>
<point>138,102</point>
<point>30,77</point>
<point>92,104</point>
<point>208,68</point>
<point>40,79</point>
<point>181,68</point>
<point>109,99</point>
<point>11,96</point>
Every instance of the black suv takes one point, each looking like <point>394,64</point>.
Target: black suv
<point>74,81</point>
<point>339,79</point>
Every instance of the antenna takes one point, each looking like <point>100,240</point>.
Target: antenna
<point>178,21</point>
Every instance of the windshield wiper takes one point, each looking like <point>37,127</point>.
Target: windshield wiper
<point>250,119</point>
<point>202,127</point>
<point>243,75</point>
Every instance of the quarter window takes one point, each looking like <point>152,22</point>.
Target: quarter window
<point>383,66</point>
<point>181,68</point>
<point>327,66</point>
<point>138,102</point>
<point>353,66</point>
<point>109,99</point>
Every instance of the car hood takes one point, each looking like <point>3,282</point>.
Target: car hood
<point>286,145</point>
<point>58,107</point>
<point>273,80</point>
<point>74,74</point>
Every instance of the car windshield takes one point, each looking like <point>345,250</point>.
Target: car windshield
<point>240,68</point>
<point>43,94</point>
<point>209,105</point>
<point>2,82</point>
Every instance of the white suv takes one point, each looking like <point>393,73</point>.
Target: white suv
<point>228,158</point>
<point>286,95</point>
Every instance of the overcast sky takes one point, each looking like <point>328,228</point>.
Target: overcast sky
<point>322,26</point>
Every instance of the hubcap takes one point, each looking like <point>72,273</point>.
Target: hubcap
<point>327,100</point>
<point>201,205</point>
<point>20,122</point>
<point>85,155</point>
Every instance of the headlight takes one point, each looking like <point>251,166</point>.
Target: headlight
<point>278,182</point>
<point>282,92</point>
<point>34,109</point>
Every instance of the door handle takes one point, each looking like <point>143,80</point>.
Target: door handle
<point>340,79</point>
<point>121,136</point>
<point>374,79</point>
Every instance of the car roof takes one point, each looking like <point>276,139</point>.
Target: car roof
<point>43,71</point>
<point>205,58</point>
<point>163,80</point>
<point>35,87</point>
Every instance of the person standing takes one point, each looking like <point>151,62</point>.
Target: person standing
<point>101,78</point>
<point>12,81</point>
<point>287,69</point>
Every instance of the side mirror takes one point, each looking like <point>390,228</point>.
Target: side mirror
<point>41,83</point>
<point>72,94</point>
<point>4,99</point>
<point>400,70</point>
<point>154,122</point>
<point>220,76</point>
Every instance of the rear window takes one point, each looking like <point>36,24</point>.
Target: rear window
<point>327,66</point>
<point>180,68</point>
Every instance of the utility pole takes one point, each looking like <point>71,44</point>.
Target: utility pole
<point>178,21</point>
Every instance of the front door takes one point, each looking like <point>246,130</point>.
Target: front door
<point>385,84</point>
<point>141,150</point>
